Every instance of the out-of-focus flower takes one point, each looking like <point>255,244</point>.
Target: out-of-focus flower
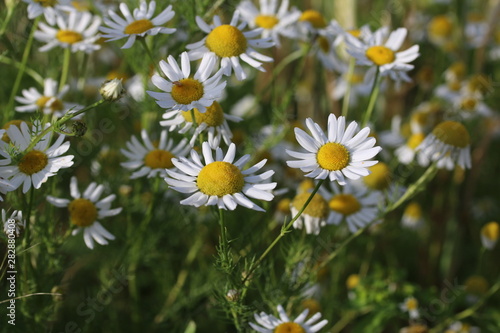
<point>410,305</point>
<point>270,324</point>
<point>490,233</point>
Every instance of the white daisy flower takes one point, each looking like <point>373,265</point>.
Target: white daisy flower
<point>275,21</point>
<point>448,144</point>
<point>337,154</point>
<point>50,102</point>
<point>490,233</point>
<point>151,159</point>
<point>183,92</point>
<point>268,323</point>
<point>213,121</point>
<point>219,181</point>
<point>412,216</point>
<point>311,22</point>
<point>410,305</point>
<point>476,30</point>
<point>18,224</point>
<point>354,204</point>
<point>49,8</point>
<point>379,51</point>
<point>139,24</point>
<point>406,153</point>
<point>37,165</point>
<point>78,31</point>
<point>85,210</point>
<point>459,327</point>
<point>230,44</point>
<point>314,216</point>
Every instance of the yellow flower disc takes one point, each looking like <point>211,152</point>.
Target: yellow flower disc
<point>333,156</point>
<point>220,178</point>
<point>283,206</point>
<point>413,210</point>
<point>318,207</point>
<point>138,27</point>
<point>312,305</point>
<point>289,328</point>
<point>476,285</point>
<point>33,162</point>
<point>266,21</point>
<point>314,17</point>
<point>47,3</point>
<point>56,105</point>
<point>452,133</point>
<point>468,104</point>
<point>440,26</point>
<point>82,212</point>
<point>379,178</point>
<point>412,304</point>
<point>491,231</point>
<point>213,116</point>
<point>415,140</point>
<point>380,55</point>
<point>355,32</point>
<point>352,281</point>
<point>345,204</point>
<point>226,41</point>
<point>187,91</point>
<point>159,159</point>
<point>69,36</point>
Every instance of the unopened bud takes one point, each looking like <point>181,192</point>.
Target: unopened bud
<point>112,90</point>
<point>232,295</point>
<point>79,128</point>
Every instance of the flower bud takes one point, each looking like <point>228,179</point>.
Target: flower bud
<point>112,90</point>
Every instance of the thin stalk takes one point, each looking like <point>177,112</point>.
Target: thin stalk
<point>20,73</point>
<point>142,40</point>
<point>347,95</point>
<point>373,98</point>
<point>8,16</point>
<point>223,235</point>
<point>65,68</point>
<point>284,231</point>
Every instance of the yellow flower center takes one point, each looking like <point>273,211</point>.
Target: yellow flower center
<point>379,178</point>
<point>355,78</point>
<point>187,91</point>
<point>452,133</point>
<point>138,27</point>
<point>380,55</point>
<point>440,26</point>
<point>220,178</point>
<point>333,156</point>
<point>69,36</point>
<point>476,285</point>
<point>289,328</point>
<point>345,204</point>
<point>468,104</point>
<point>355,32</point>
<point>491,231</point>
<point>314,17</point>
<point>226,41</point>
<point>81,6</point>
<point>458,69</point>
<point>412,304</point>
<point>82,212</point>
<point>454,85</point>
<point>413,210</point>
<point>324,44</point>
<point>415,140</point>
<point>56,105</point>
<point>115,74</point>
<point>33,162</point>
<point>159,159</point>
<point>213,116</point>
<point>480,83</point>
<point>317,207</point>
<point>47,3</point>
<point>284,206</point>
<point>312,305</point>
<point>305,185</point>
<point>352,281</point>
<point>266,21</point>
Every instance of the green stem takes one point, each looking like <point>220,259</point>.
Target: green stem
<point>414,188</point>
<point>31,72</point>
<point>65,69</point>
<point>223,235</point>
<point>8,16</point>
<point>373,98</point>
<point>142,40</point>
<point>284,230</point>
<point>17,82</point>
<point>347,96</point>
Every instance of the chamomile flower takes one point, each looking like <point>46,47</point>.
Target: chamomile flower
<point>49,8</point>
<point>412,216</point>
<point>406,153</point>
<point>86,209</point>
<point>50,101</point>
<point>354,204</point>
<point>18,224</point>
<point>77,31</point>
<point>410,305</point>
<point>34,167</point>
<point>311,22</point>
<point>338,154</point>
<point>149,159</point>
<point>440,31</point>
<point>229,43</point>
<point>380,51</point>
<point>213,121</point>
<point>490,233</point>
<point>448,144</point>
<point>268,323</point>
<point>459,327</point>
<point>314,216</point>
<point>274,21</point>
<point>181,92</point>
<point>220,181</point>
<point>138,24</point>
